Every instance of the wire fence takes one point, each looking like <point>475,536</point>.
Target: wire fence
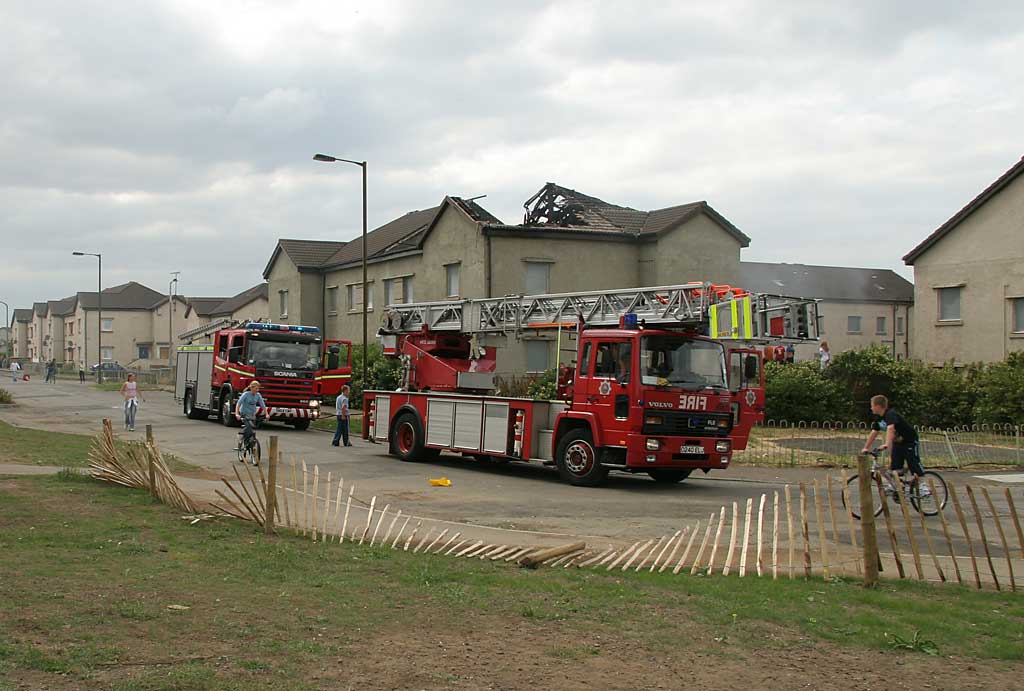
<point>779,443</point>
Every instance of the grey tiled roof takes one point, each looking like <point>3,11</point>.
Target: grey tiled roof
<point>241,300</point>
<point>204,307</point>
<point>986,194</point>
<point>309,253</point>
<point>22,315</point>
<point>62,308</point>
<point>40,308</point>
<point>395,236</point>
<point>127,296</point>
<point>826,282</point>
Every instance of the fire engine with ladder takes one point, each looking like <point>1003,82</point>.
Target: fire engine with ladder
<point>653,388</point>
<point>293,364</point>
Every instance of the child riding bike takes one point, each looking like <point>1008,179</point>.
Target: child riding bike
<point>250,405</point>
<point>901,440</point>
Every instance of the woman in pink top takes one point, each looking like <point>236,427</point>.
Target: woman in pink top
<point>130,394</point>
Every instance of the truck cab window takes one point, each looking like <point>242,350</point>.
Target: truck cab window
<point>613,360</point>
<point>585,360</point>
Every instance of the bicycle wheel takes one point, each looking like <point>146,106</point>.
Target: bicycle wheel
<point>921,497</point>
<point>254,451</point>
<point>241,450</point>
<point>853,492</point>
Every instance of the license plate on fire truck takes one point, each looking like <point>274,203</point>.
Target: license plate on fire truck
<point>691,448</point>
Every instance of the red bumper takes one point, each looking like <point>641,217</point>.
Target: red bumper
<point>677,452</point>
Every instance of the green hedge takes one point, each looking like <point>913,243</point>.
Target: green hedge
<point>927,396</point>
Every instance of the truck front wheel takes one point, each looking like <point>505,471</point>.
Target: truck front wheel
<point>227,415</point>
<point>668,475</point>
<point>301,425</point>
<point>577,460</point>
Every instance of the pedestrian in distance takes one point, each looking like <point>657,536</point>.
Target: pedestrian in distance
<point>81,375</point>
<point>824,356</point>
<point>130,393</point>
<point>14,367</point>
<point>342,413</point>
<point>790,354</point>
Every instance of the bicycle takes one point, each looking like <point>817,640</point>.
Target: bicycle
<point>918,492</point>
<point>249,447</point>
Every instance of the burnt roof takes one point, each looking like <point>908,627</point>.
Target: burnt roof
<point>840,283</point>
<point>961,215</point>
<point>554,206</point>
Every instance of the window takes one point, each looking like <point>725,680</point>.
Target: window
<point>1018,315</point>
<point>163,353</point>
<point>398,290</point>
<point>283,306</point>
<point>949,304</point>
<point>853,325</point>
<point>144,352</point>
<point>899,326</point>
<point>537,355</point>
<point>332,300</point>
<point>222,347</point>
<point>107,353</point>
<point>355,297</point>
<point>451,279</point>
<point>107,325</point>
<point>537,275</point>
<point>613,360</point>
<point>880,326</point>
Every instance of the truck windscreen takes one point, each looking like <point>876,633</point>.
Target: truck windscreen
<point>682,362</point>
<point>270,354</point>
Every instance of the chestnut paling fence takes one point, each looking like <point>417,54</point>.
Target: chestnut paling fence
<point>780,443</point>
<point>804,530</point>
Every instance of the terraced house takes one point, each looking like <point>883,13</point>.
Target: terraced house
<point>568,242</point>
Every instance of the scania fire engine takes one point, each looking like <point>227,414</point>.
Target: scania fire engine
<point>293,364</point>
<point>652,388</point>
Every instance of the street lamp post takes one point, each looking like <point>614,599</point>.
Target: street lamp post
<point>362,164</point>
<point>99,305</point>
<point>170,308</point>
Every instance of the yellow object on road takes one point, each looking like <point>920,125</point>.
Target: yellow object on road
<point>440,482</point>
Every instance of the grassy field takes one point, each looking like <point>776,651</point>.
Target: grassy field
<point>328,423</point>
<point>102,588</point>
<point>38,447</point>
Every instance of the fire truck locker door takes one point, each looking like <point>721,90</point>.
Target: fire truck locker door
<point>440,421</point>
<point>468,425</point>
<point>335,366</point>
<point>382,417</point>
<point>496,427</point>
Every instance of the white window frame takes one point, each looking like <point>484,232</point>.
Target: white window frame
<point>448,269</point>
<point>531,263</point>
<point>900,326</point>
<point>103,323</point>
<point>389,287</point>
<point>103,351</point>
<point>939,291</point>
<point>332,299</point>
<point>351,305</point>
<point>881,326</point>
<point>547,354</point>
<point>860,324</point>
<point>1016,325</point>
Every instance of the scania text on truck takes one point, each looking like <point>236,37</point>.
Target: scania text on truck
<point>652,389</point>
<point>295,367</point>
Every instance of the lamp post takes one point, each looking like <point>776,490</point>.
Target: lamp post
<point>99,305</point>
<point>362,164</point>
<point>7,324</point>
<point>170,312</point>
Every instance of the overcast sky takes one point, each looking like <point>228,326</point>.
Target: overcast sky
<point>179,135</point>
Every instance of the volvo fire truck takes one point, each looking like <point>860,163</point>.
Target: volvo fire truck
<point>293,364</point>
<point>652,389</point>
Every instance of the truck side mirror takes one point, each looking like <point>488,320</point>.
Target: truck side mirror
<point>751,371</point>
<point>332,359</point>
<point>233,354</point>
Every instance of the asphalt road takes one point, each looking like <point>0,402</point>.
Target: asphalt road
<point>510,496</point>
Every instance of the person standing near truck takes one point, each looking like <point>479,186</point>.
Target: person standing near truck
<point>342,413</point>
<point>130,394</point>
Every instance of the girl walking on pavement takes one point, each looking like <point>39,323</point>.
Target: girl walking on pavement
<point>130,394</point>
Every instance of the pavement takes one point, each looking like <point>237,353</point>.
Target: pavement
<point>511,496</point>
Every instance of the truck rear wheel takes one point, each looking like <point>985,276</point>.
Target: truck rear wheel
<point>191,412</point>
<point>301,425</point>
<point>407,440</point>
<point>577,460</point>
<point>668,475</point>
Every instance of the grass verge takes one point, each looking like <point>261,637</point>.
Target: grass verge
<point>329,423</point>
<point>42,447</point>
<point>99,583</point>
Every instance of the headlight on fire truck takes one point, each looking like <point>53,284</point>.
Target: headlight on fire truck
<point>653,420</point>
<point>314,404</point>
<point>653,444</point>
<point>722,446</point>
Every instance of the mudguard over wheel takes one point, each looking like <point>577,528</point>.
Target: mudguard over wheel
<point>668,475</point>
<point>227,414</point>
<point>578,460</point>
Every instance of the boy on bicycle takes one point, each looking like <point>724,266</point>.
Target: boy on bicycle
<point>900,438</point>
<point>250,404</point>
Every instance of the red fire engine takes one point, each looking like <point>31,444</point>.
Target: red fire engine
<point>293,364</point>
<point>652,388</point>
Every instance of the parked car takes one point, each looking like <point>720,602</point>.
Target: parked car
<point>108,367</point>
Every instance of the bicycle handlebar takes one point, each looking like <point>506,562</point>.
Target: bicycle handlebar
<point>873,452</point>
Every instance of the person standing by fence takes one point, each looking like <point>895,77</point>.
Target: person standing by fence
<point>130,394</point>
<point>342,413</point>
<point>824,356</point>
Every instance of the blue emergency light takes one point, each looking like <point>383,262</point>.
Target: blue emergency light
<point>263,326</point>
<point>629,321</point>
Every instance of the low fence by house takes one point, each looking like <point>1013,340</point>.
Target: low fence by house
<point>779,443</point>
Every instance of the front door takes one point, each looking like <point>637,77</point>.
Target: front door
<point>607,389</point>
<point>335,366</point>
<point>746,381</point>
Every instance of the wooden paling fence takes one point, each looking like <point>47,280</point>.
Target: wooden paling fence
<point>136,465</point>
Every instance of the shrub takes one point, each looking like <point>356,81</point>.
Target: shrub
<point>1000,392</point>
<point>5,396</point>
<point>799,392</point>
<point>383,373</point>
<point>938,397</point>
